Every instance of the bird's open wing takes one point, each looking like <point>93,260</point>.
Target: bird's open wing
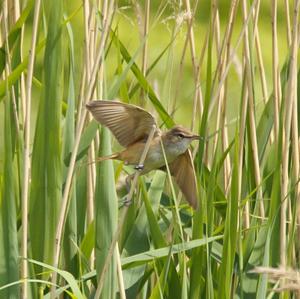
<point>128,123</point>
<point>182,169</point>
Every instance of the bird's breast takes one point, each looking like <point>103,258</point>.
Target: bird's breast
<point>155,156</point>
<point>173,150</point>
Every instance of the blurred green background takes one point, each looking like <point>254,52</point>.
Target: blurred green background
<point>164,77</point>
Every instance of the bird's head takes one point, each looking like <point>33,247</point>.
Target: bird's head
<point>180,136</point>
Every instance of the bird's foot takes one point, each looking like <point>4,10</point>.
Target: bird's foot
<point>125,201</point>
<point>139,167</point>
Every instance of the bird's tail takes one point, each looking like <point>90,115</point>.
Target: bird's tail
<point>110,157</point>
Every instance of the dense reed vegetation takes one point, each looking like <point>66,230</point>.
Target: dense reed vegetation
<point>226,69</point>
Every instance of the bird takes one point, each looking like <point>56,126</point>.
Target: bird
<point>131,126</point>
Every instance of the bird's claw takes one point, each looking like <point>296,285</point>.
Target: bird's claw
<point>139,167</point>
<point>127,202</point>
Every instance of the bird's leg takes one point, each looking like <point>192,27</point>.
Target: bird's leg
<point>130,177</point>
<point>128,180</point>
<point>125,201</point>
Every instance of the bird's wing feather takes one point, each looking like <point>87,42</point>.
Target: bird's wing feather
<point>182,169</point>
<point>128,123</point>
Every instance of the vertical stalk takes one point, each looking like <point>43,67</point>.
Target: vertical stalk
<point>275,72</point>
<point>191,35</point>
<point>90,44</point>
<point>230,60</point>
<point>8,212</point>
<point>253,137</point>
<point>145,33</point>
<point>216,26</point>
<point>198,98</point>
<point>5,27</point>
<point>226,45</point>
<point>242,128</point>
<point>120,274</point>
<point>225,143</point>
<point>57,246</point>
<point>22,79</point>
<point>27,154</point>
<point>259,57</point>
<point>288,110</point>
<point>87,38</point>
<point>288,22</point>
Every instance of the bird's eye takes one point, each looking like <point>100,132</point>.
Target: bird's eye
<point>180,135</point>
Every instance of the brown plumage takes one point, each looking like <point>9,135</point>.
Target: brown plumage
<point>131,126</point>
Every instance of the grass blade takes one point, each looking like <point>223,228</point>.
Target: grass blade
<point>106,215</point>
<point>46,183</point>
<point>8,217</point>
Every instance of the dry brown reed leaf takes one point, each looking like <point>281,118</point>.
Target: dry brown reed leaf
<point>289,277</point>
